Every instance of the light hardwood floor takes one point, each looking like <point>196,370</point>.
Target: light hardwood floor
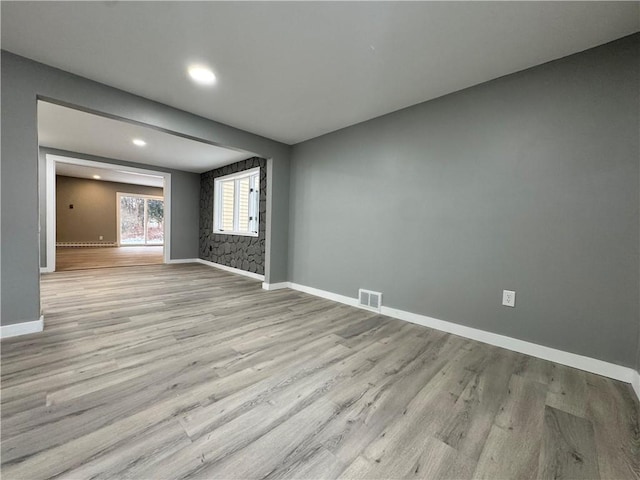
<point>185,371</point>
<point>82,258</point>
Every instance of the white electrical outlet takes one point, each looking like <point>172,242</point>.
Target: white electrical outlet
<point>101,237</point>
<point>509,298</point>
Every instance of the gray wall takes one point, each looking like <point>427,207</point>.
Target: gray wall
<point>238,251</point>
<point>94,212</point>
<point>527,183</point>
<point>185,198</point>
<point>23,81</point>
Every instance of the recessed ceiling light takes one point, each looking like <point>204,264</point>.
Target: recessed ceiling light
<point>97,177</point>
<point>202,75</point>
<point>139,142</point>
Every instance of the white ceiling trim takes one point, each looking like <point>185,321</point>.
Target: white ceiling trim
<point>108,175</point>
<point>105,166</point>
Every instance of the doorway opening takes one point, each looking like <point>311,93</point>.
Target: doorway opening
<point>105,215</point>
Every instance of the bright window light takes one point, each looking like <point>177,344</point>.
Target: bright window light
<point>236,203</point>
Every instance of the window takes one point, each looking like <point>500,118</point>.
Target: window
<point>140,219</point>
<point>236,203</point>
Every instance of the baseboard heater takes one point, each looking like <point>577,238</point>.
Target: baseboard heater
<point>86,244</point>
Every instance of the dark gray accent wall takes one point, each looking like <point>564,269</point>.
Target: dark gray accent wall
<point>529,183</point>
<point>185,201</point>
<point>243,252</point>
<point>23,81</point>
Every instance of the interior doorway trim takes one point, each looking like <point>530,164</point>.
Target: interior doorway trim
<point>52,160</point>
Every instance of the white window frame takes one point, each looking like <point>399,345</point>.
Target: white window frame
<point>254,206</point>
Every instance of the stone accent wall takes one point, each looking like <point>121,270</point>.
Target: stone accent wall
<point>245,253</point>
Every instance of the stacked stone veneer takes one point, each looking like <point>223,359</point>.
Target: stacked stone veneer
<point>245,253</point>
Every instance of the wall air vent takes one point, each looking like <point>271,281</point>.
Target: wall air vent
<point>370,300</point>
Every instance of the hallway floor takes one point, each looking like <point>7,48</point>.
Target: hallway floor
<point>81,258</point>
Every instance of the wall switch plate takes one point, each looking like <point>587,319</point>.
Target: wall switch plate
<point>101,237</point>
<point>509,298</point>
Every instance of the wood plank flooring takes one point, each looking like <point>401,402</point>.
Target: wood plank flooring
<point>185,371</point>
<point>81,258</point>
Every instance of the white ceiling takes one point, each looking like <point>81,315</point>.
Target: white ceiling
<point>76,131</point>
<point>121,176</point>
<point>295,70</point>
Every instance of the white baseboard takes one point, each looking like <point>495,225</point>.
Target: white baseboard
<point>45,270</point>
<point>183,260</point>
<point>23,328</point>
<point>275,286</point>
<point>86,244</point>
<point>574,360</point>
<point>255,276</point>
<point>635,383</point>
<point>324,294</point>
